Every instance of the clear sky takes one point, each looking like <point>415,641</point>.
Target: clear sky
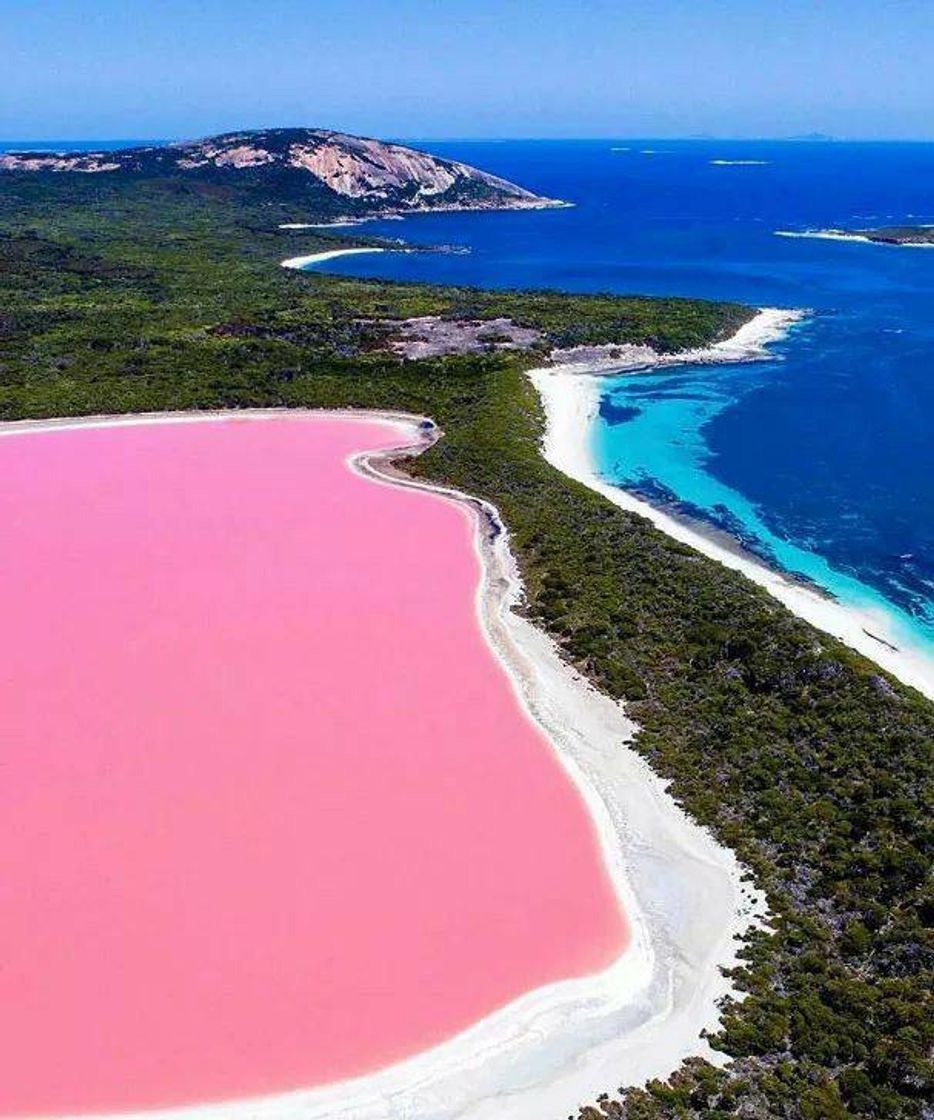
<point>82,69</point>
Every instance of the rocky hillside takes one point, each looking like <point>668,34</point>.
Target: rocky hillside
<point>332,171</point>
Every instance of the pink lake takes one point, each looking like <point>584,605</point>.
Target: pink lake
<point>270,812</point>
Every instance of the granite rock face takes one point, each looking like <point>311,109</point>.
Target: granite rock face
<point>357,174</point>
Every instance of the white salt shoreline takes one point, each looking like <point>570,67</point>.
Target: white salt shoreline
<point>570,395</point>
<point>683,894</point>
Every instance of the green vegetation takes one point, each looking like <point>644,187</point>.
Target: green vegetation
<point>802,756</point>
<point>315,170</point>
<point>895,235</point>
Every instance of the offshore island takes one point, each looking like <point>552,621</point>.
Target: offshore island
<point>790,766</point>
<point>917,236</point>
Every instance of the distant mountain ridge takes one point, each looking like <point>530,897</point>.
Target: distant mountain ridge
<point>352,174</point>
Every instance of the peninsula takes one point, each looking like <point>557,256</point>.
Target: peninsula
<point>332,174</point>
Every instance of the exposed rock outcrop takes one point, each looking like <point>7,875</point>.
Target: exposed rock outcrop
<point>352,174</point>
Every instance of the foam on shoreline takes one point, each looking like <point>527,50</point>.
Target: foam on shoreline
<point>684,895</point>
<point>571,394</point>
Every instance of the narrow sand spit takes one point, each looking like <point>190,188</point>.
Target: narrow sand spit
<point>571,394</point>
<point>683,894</point>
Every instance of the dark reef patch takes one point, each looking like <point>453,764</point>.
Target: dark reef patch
<point>617,413</point>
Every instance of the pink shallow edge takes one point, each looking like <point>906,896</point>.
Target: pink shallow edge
<point>273,814</point>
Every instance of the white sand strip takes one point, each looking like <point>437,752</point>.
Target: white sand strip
<point>820,235</point>
<point>344,223</point>
<point>559,1046</point>
<point>328,255</point>
<point>571,398</point>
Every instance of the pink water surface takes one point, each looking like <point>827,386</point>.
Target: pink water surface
<point>270,813</point>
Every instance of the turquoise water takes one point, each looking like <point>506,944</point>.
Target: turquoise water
<point>662,455</point>
<point>822,459</point>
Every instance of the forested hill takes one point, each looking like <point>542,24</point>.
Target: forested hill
<point>331,173</point>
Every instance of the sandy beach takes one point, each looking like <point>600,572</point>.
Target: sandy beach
<point>684,896</point>
<point>571,397</point>
<point>328,255</point>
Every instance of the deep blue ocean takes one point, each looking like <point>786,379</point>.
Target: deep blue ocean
<point>821,460</point>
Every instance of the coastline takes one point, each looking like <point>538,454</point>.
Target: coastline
<point>570,395</point>
<point>748,343</point>
<point>329,254</point>
<point>683,894</point>
<point>454,208</point>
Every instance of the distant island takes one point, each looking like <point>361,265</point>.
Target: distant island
<point>884,235</point>
<point>812,138</point>
<point>333,173</point>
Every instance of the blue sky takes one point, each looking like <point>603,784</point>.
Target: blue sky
<point>440,68</point>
